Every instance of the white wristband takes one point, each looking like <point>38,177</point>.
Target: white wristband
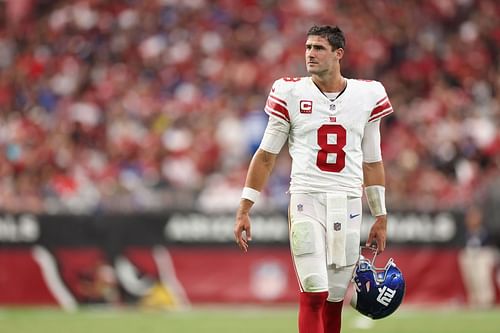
<point>250,194</point>
<point>375,195</point>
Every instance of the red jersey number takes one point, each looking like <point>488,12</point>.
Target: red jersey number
<point>331,148</point>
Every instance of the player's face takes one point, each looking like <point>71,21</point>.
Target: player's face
<point>320,58</point>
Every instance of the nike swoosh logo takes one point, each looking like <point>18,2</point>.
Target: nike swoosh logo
<point>273,89</point>
<point>353,215</point>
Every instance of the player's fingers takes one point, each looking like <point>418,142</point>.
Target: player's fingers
<point>369,240</point>
<point>248,232</point>
<point>243,246</point>
<point>238,230</point>
<point>237,234</point>
<point>240,240</point>
<point>380,243</point>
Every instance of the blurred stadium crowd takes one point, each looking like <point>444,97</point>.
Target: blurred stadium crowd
<point>117,106</point>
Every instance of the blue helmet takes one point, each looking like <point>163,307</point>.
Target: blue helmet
<point>378,291</point>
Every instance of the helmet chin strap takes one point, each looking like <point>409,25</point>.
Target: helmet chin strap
<point>373,251</point>
<point>374,257</point>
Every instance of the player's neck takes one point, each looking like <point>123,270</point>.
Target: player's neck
<point>330,84</point>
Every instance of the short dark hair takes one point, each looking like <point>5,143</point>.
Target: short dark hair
<point>334,35</point>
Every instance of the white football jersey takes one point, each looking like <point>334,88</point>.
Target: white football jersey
<point>324,135</point>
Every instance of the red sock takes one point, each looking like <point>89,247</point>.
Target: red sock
<point>332,316</point>
<point>311,312</point>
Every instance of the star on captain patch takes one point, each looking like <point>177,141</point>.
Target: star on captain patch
<point>300,207</point>
<point>337,226</point>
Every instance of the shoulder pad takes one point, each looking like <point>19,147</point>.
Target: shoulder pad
<point>283,86</point>
<point>277,101</point>
<point>380,100</point>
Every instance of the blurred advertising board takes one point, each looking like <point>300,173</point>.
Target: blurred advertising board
<point>198,229</point>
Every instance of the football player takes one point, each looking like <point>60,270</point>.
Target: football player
<point>332,126</point>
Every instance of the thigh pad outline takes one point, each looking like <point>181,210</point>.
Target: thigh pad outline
<point>302,237</point>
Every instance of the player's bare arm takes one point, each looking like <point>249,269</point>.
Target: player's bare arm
<point>258,173</point>
<point>374,175</point>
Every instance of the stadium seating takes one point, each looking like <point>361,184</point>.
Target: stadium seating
<point>116,106</point>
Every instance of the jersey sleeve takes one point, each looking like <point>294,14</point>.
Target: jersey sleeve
<point>275,135</point>
<point>371,142</point>
<point>276,105</point>
<point>382,105</point>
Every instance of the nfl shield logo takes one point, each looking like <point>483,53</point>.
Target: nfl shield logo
<point>300,207</point>
<point>337,226</point>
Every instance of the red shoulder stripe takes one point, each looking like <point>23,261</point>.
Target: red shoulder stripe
<point>381,108</point>
<point>276,114</point>
<point>380,115</point>
<point>278,99</point>
<point>381,100</point>
<point>278,108</point>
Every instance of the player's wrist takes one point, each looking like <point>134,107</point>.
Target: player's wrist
<point>244,209</point>
<point>381,220</point>
<point>250,194</point>
<point>375,195</point>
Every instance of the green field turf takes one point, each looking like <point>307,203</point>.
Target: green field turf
<point>240,320</point>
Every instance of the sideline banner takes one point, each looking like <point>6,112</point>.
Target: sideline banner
<point>180,258</point>
<point>196,229</point>
<point>180,276</point>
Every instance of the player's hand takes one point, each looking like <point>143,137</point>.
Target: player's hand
<point>378,233</point>
<point>242,233</point>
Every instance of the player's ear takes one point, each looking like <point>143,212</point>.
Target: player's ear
<point>339,53</point>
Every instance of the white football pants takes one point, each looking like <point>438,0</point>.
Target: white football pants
<point>307,215</point>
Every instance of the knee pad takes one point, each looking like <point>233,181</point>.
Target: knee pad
<point>338,282</point>
<point>302,237</point>
<point>313,283</point>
